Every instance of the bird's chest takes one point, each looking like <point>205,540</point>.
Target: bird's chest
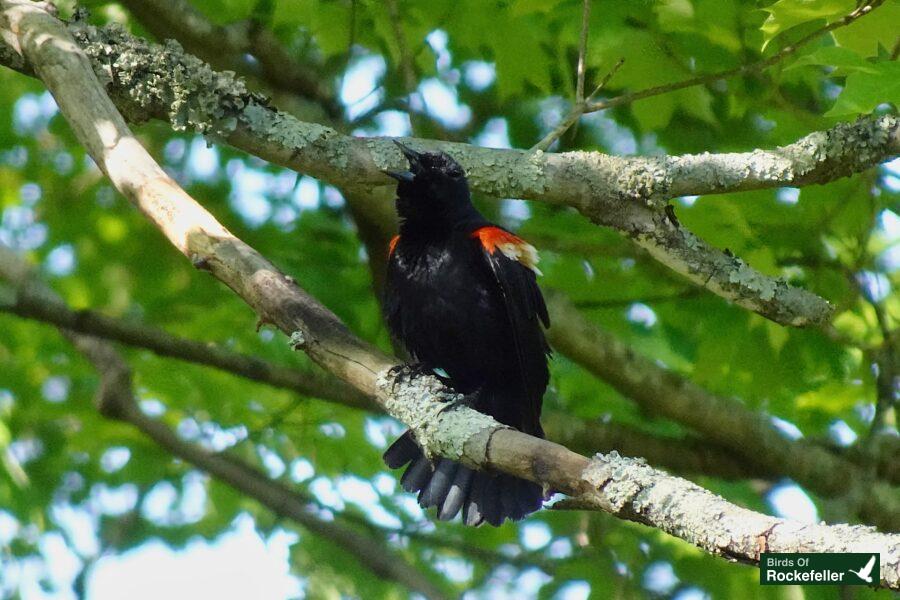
<point>438,279</point>
<point>441,295</point>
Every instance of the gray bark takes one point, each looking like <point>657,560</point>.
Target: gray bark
<point>627,194</point>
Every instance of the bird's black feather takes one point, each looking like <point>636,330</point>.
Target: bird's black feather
<point>472,308</point>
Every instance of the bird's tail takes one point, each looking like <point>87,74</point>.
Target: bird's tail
<point>450,486</point>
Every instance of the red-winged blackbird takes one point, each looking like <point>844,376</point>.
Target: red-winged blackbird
<point>461,295</point>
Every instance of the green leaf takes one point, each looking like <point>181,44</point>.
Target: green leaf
<point>519,59</point>
<point>865,90</point>
<point>785,14</point>
<point>654,112</point>
<point>329,22</point>
<point>835,56</point>
<point>697,102</point>
<point>874,31</point>
<point>714,20</point>
<point>524,7</point>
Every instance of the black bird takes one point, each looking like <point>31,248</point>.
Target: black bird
<point>462,297</point>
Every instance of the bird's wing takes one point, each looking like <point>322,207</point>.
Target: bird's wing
<point>867,570</point>
<point>513,264</point>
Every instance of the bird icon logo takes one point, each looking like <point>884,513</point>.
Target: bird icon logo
<point>866,572</point>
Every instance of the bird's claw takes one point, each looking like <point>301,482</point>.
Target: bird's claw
<point>407,373</point>
<point>463,400</point>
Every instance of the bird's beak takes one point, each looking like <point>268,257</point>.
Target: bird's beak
<point>411,155</point>
<point>406,176</point>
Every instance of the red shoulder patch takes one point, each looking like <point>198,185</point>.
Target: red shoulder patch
<point>491,237</point>
<point>514,247</point>
<point>393,244</point>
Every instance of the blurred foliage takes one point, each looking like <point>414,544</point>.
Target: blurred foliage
<point>505,73</point>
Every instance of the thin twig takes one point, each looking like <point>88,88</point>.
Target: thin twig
<point>587,106</point>
<point>582,51</point>
<point>578,109</point>
<point>886,382</point>
<point>306,381</point>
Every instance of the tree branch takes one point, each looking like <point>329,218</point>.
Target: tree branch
<point>635,491</point>
<point>722,420</point>
<point>623,193</point>
<point>372,554</point>
<point>32,303</point>
<point>651,385</point>
<point>115,400</point>
<point>687,455</point>
<point>609,483</point>
<point>29,297</point>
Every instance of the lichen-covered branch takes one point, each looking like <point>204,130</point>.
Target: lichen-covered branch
<point>683,455</point>
<point>719,271</point>
<point>729,276</point>
<point>627,194</point>
<point>725,421</point>
<point>455,431</point>
<point>293,84</point>
<point>633,490</point>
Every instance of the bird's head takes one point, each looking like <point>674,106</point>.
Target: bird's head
<point>433,188</point>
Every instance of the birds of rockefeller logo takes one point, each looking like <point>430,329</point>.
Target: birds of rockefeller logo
<point>850,568</point>
<point>866,572</point>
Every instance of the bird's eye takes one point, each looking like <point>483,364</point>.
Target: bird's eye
<point>455,173</point>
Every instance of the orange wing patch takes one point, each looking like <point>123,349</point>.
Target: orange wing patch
<point>512,246</point>
<point>393,244</point>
